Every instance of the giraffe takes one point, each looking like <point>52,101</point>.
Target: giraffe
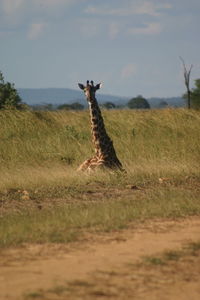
<point>105,155</point>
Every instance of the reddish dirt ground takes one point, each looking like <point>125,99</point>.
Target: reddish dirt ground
<point>107,266</point>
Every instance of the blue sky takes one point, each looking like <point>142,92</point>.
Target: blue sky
<point>132,46</point>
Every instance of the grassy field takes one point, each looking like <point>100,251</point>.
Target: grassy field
<point>44,199</point>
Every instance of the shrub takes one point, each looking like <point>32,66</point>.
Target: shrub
<point>9,97</point>
<point>138,103</point>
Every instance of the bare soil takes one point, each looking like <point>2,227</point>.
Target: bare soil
<point>106,266</point>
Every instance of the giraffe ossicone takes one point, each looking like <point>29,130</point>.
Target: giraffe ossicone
<point>105,155</point>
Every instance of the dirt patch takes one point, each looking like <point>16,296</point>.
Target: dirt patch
<point>173,280</point>
<point>106,266</point>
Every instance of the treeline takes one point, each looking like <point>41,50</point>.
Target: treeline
<point>135,103</point>
<point>9,99</point>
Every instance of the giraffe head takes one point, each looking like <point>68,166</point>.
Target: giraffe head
<point>90,89</point>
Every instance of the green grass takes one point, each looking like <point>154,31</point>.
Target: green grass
<point>191,249</point>
<point>44,149</point>
<point>158,141</point>
<point>66,223</point>
<point>170,255</point>
<point>40,152</point>
<point>34,295</point>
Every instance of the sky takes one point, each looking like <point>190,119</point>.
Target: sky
<point>132,46</point>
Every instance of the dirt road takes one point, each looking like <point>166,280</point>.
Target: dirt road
<point>106,266</point>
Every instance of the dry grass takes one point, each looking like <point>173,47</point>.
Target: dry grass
<point>37,148</point>
<point>39,154</point>
<point>67,222</point>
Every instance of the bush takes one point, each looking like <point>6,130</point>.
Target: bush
<point>195,95</point>
<point>73,106</point>
<point>109,105</point>
<point>138,103</point>
<point>9,97</point>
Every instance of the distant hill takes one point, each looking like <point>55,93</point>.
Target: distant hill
<point>58,96</point>
<point>173,102</point>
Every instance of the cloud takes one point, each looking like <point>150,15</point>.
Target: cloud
<point>5,34</point>
<point>9,7</point>
<point>31,15</point>
<point>52,3</point>
<point>36,30</point>
<point>152,9</point>
<point>135,8</point>
<point>128,71</point>
<point>15,7</point>
<point>147,29</point>
<point>113,30</point>
<point>147,8</point>
<point>89,28</point>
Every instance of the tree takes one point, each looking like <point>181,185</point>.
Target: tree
<point>73,106</point>
<point>109,105</point>
<point>64,106</point>
<point>163,104</point>
<point>45,107</point>
<point>187,81</point>
<point>77,106</point>
<point>9,97</point>
<point>138,103</point>
<point>195,95</point>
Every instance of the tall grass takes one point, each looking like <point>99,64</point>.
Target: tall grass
<point>40,151</point>
<point>38,148</point>
<point>40,138</point>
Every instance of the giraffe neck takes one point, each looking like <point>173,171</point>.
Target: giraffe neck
<point>101,139</point>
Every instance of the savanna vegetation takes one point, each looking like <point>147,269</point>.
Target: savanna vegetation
<point>194,95</point>
<point>73,106</point>
<point>9,97</point>
<point>138,103</point>
<point>43,197</point>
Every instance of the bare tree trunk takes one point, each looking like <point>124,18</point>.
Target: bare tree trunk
<point>189,98</point>
<point>187,81</point>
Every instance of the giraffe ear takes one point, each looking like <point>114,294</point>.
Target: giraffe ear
<point>81,86</point>
<point>98,86</point>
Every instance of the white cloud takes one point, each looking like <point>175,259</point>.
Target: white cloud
<point>128,71</point>
<point>135,8</point>
<point>147,8</point>
<point>11,6</point>
<point>36,30</point>
<point>89,28</point>
<point>52,3</point>
<point>95,10</point>
<point>49,2</point>
<point>31,15</point>
<point>4,33</point>
<point>16,7</point>
<point>113,30</point>
<point>152,9</point>
<point>148,29</point>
